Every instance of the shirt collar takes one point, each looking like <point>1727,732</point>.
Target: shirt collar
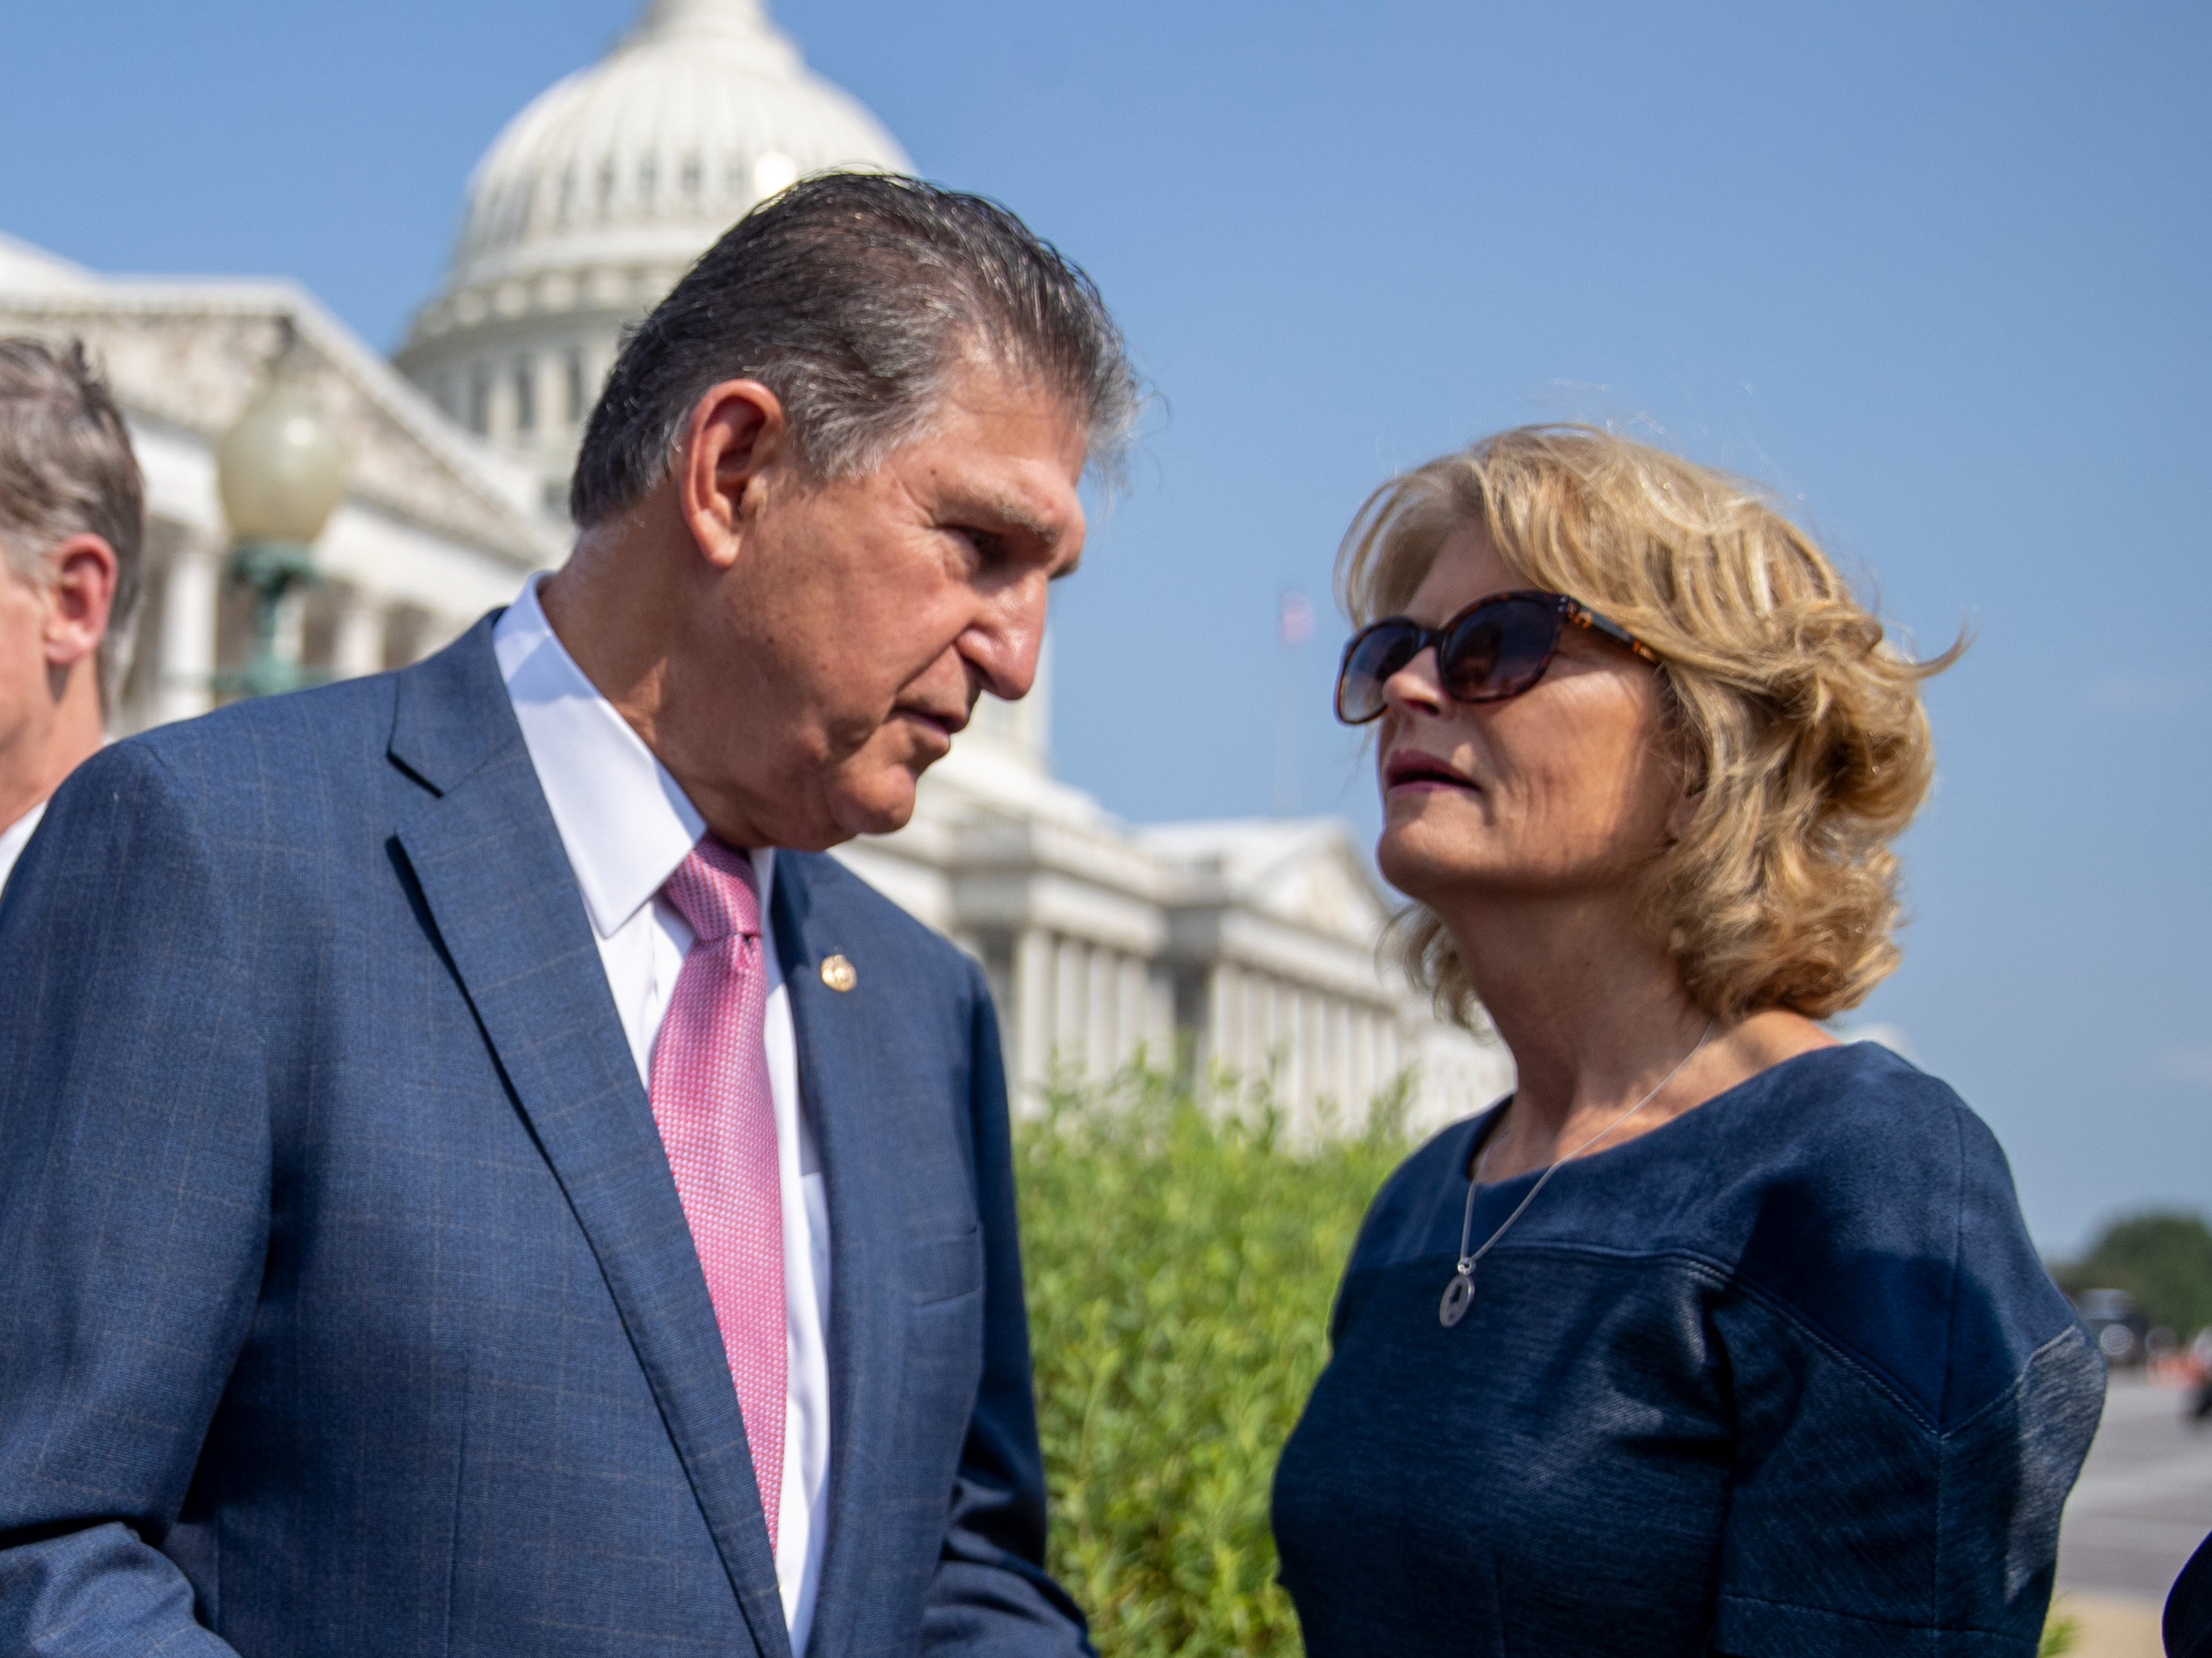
<point>623,821</point>
<point>15,836</point>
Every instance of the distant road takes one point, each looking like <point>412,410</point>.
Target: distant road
<point>2144,1501</point>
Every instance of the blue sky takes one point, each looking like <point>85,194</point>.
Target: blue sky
<point>1937,273</point>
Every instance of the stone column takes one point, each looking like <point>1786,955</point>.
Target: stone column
<point>1099,1036</point>
<point>1135,1030</point>
<point>185,665</point>
<point>358,648</point>
<point>1160,1017</point>
<point>1031,1021</point>
<point>1354,1108</point>
<point>1068,1007</point>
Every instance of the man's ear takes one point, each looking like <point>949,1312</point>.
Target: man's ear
<point>80,574</point>
<point>737,437</point>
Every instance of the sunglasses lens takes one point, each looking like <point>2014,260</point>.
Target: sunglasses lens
<point>1499,650</point>
<point>1376,653</point>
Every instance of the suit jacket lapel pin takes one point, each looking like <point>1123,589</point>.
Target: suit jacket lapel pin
<point>837,973</point>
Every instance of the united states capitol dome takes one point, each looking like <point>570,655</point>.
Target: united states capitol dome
<point>597,196</point>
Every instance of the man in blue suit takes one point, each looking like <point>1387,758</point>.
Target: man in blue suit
<point>474,1179</point>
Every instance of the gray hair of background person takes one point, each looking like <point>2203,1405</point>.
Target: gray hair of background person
<point>66,469</point>
<point>853,297</point>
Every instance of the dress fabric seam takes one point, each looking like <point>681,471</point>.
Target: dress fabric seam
<point>1936,1627</point>
<point>1723,1275</point>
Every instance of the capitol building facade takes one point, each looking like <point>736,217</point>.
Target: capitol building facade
<point>1249,945</point>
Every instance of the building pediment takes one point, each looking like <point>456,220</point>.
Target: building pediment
<point>192,355</point>
<point>1303,872</point>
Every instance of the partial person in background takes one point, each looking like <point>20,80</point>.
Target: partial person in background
<point>72,524</point>
<point>2186,1628</point>
<point>1716,1336</point>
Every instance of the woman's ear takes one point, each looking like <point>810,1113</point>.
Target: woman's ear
<point>1688,767</point>
<point>1682,812</point>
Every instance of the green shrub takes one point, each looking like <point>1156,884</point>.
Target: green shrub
<point>1181,1261</point>
<point>2060,1636</point>
<point>2163,1260</point>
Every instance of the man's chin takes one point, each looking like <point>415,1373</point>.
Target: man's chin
<point>878,805</point>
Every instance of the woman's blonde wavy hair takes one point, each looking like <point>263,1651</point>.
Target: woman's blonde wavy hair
<point>1800,727</point>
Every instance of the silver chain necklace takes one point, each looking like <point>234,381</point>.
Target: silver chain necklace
<point>1459,1294</point>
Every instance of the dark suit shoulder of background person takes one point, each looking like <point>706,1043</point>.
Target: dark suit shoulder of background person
<point>2187,1626</point>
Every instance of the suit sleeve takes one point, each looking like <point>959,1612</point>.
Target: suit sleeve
<point>133,1206</point>
<point>992,1594</point>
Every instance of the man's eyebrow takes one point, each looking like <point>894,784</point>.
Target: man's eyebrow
<point>1014,514</point>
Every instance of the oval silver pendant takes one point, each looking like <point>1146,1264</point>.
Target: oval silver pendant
<point>1458,1296</point>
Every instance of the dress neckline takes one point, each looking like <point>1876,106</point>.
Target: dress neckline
<point>1481,1126</point>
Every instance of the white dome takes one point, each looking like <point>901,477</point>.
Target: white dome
<point>648,155</point>
<point>597,197</point>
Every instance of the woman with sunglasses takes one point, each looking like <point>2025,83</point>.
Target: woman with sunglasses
<point>1716,1335</point>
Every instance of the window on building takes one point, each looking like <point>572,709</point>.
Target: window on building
<point>526,396</point>
<point>480,401</point>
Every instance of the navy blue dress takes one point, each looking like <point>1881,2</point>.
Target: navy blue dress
<point>1784,1376</point>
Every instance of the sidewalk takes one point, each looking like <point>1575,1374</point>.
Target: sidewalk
<point>2143,1503</point>
<point>2110,1625</point>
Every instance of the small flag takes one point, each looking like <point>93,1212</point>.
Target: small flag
<point>1294,616</point>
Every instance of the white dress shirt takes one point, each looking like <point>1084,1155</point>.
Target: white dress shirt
<point>626,825</point>
<point>15,837</point>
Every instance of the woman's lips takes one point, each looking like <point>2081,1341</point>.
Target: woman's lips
<point>1413,772</point>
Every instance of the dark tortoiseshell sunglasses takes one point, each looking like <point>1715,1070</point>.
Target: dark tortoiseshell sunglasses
<point>1495,649</point>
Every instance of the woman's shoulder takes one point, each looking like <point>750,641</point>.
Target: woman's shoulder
<point>1861,1143</point>
<point>1865,1199</point>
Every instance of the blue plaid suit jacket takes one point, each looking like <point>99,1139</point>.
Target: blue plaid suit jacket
<point>346,1303</point>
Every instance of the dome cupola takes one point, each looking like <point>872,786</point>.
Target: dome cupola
<point>597,197</point>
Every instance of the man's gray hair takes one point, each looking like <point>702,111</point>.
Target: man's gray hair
<point>66,469</point>
<point>852,296</point>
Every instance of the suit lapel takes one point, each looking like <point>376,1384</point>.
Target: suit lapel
<point>865,1327</point>
<point>493,876</point>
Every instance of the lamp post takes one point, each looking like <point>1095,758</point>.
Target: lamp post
<point>282,472</point>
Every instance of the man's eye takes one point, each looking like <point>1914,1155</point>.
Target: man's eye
<point>990,546</point>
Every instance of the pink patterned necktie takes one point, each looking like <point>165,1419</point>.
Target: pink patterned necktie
<point>717,1118</point>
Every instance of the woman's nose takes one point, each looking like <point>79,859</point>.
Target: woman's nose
<point>1415,688</point>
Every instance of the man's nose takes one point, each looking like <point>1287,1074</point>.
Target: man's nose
<point>1003,644</point>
